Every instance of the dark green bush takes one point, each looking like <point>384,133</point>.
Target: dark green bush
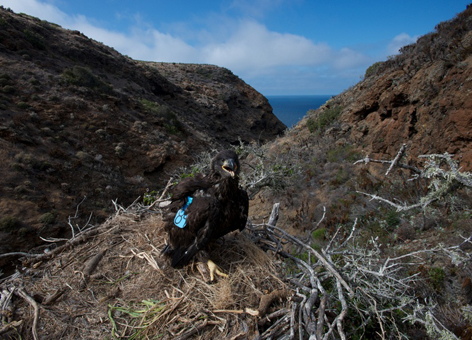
<point>324,118</point>
<point>47,218</point>
<point>9,223</point>
<point>82,76</point>
<point>372,69</point>
<point>34,39</point>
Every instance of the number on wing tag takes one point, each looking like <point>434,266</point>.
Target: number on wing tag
<point>180,219</point>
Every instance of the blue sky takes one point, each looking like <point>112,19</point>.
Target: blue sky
<point>277,46</point>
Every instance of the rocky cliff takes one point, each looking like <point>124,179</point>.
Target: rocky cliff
<point>81,123</point>
<point>421,97</point>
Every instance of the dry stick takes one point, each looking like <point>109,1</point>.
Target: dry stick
<point>398,206</point>
<point>292,320</point>
<point>33,303</point>
<point>160,199</point>
<point>196,329</point>
<point>273,315</point>
<point>90,266</point>
<point>51,298</point>
<point>10,326</point>
<point>274,215</point>
<point>300,316</point>
<point>19,253</point>
<point>396,159</point>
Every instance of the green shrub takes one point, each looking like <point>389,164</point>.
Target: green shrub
<point>34,39</point>
<point>47,218</point>
<point>9,223</point>
<point>8,89</point>
<point>82,76</point>
<point>436,277</point>
<point>23,105</point>
<point>171,122</point>
<point>150,197</point>
<point>372,69</point>
<point>324,118</point>
<point>392,218</point>
<point>319,234</point>
<point>342,153</point>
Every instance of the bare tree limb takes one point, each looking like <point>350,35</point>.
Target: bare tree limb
<point>34,304</point>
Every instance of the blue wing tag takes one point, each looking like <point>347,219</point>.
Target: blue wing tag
<point>180,219</point>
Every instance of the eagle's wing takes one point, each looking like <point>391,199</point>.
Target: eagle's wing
<point>202,218</point>
<point>188,186</point>
<point>243,208</point>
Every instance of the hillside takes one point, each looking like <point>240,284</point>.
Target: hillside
<point>372,240</point>
<point>82,125</point>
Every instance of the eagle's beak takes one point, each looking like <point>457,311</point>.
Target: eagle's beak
<point>230,166</point>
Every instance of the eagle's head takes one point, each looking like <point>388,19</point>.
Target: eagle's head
<point>226,163</point>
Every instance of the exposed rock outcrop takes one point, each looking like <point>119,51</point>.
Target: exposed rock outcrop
<point>421,97</point>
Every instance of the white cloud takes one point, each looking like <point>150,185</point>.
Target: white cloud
<point>252,47</point>
<point>399,41</point>
<point>42,10</point>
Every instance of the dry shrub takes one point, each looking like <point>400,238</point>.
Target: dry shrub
<point>116,284</point>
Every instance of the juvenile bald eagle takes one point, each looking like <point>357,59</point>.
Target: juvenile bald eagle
<point>205,208</point>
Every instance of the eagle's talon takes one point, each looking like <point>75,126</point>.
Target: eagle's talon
<point>214,270</point>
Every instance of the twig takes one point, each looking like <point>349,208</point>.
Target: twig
<point>33,303</point>
<point>53,297</point>
<point>322,217</point>
<point>19,253</point>
<point>398,206</point>
<point>197,328</point>
<point>274,215</point>
<point>396,159</point>
<point>160,199</point>
<point>10,326</point>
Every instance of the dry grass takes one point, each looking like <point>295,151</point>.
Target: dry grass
<point>117,285</point>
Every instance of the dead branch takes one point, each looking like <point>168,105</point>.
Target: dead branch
<point>19,253</point>
<point>399,207</point>
<point>274,215</point>
<point>161,199</point>
<point>396,159</point>
<point>84,235</point>
<point>33,303</point>
<point>53,297</point>
<point>197,328</point>
<point>10,326</point>
<point>90,266</point>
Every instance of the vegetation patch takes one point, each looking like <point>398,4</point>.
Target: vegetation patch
<point>83,76</point>
<point>9,223</point>
<point>372,69</point>
<point>170,121</point>
<point>47,218</point>
<point>320,120</point>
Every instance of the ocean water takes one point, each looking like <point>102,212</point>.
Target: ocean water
<point>291,109</point>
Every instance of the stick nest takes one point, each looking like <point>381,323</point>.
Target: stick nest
<point>112,282</point>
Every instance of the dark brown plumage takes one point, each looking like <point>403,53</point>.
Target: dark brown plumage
<point>218,206</point>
